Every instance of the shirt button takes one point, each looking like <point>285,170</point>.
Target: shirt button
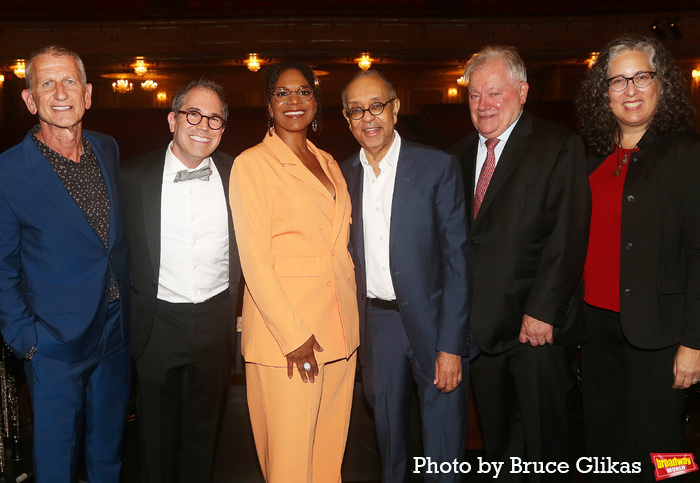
<point>628,246</point>
<point>320,226</point>
<point>329,283</point>
<point>376,209</point>
<point>630,198</point>
<point>628,291</point>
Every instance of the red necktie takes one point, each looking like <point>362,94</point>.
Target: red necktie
<point>485,175</point>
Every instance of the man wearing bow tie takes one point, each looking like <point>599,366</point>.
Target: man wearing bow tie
<point>185,274</point>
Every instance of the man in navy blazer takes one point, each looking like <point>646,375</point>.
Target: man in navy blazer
<point>64,275</point>
<point>409,244</point>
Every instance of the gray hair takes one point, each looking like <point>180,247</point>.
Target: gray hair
<point>513,62</point>
<point>56,51</point>
<point>208,84</point>
<point>368,73</point>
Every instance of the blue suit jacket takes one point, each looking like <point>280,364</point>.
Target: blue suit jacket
<point>54,270</point>
<point>429,254</point>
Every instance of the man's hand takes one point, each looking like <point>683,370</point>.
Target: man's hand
<point>535,332</point>
<point>686,367</point>
<point>448,372</point>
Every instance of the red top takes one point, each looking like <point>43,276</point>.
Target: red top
<point>601,274</point>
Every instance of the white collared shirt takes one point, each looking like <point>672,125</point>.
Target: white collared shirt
<point>377,196</point>
<point>482,150</point>
<point>194,243</point>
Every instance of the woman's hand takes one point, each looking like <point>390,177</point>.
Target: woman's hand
<point>686,367</point>
<point>302,355</point>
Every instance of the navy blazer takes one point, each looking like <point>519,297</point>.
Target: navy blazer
<point>429,255</point>
<point>54,270</point>
<point>141,183</point>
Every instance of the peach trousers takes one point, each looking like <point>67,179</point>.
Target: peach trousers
<point>300,429</point>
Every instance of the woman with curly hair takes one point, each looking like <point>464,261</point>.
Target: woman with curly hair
<point>642,273</point>
<point>291,212</point>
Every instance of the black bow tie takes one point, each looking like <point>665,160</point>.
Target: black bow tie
<point>200,174</point>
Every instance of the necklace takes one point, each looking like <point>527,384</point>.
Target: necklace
<point>625,158</point>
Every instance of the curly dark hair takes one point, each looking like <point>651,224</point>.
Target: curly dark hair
<point>273,73</point>
<point>598,125</point>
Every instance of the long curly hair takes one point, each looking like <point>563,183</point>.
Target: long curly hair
<point>598,125</point>
<point>273,73</point>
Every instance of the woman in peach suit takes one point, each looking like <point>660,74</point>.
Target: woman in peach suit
<point>291,213</point>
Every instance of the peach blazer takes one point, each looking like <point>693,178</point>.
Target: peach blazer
<point>293,243</point>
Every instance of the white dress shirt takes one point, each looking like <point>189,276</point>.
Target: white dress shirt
<point>194,243</point>
<point>482,150</point>
<point>377,196</point>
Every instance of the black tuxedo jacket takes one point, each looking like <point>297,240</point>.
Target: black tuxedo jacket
<point>660,242</point>
<point>530,238</point>
<point>141,185</point>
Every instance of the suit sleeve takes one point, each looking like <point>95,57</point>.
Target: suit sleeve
<point>450,209</point>
<point>17,323</point>
<point>690,199</point>
<point>567,214</point>
<point>251,206</point>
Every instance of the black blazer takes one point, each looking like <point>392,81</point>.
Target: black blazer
<point>660,242</point>
<point>141,185</point>
<point>428,255</point>
<point>530,238</point>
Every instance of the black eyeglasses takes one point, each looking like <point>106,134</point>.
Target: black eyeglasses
<point>376,108</point>
<point>282,94</point>
<point>195,117</point>
<point>640,79</point>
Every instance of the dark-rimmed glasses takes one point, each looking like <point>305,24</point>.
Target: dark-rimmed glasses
<point>195,117</point>
<point>376,109</point>
<point>640,79</point>
<point>282,94</point>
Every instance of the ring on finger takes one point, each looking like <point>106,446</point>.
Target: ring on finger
<point>307,367</point>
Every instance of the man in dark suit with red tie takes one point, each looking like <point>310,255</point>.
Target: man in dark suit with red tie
<point>530,217</point>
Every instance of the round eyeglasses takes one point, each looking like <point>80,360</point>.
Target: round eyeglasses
<point>195,117</point>
<point>640,79</point>
<point>282,94</point>
<point>376,108</point>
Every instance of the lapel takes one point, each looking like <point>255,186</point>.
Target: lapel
<point>517,145</point>
<point>293,166</point>
<point>151,190</point>
<point>405,178</point>
<point>355,177</point>
<point>48,182</point>
<point>111,185</point>
<point>341,192</point>
<point>223,166</point>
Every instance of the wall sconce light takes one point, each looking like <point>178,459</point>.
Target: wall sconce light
<point>452,92</point>
<point>2,80</point>
<point>462,81</point>
<point>674,28</point>
<point>696,76</point>
<point>18,68</point>
<point>162,96</point>
<point>252,62</point>
<point>364,62</point>
<point>657,28</point>
<point>592,59</point>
